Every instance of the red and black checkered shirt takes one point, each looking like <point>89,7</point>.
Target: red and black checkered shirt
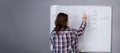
<point>66,41</point>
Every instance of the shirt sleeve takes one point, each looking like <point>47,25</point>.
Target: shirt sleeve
<point>81,29</point>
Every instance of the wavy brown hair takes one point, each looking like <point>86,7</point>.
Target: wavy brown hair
<point>61,22</point>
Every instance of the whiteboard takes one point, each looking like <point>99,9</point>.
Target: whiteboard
<point>97,36</point>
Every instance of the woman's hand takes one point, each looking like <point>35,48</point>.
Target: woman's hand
<point>84,17</point>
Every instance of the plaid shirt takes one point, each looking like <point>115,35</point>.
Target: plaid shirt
<point>67,40</point>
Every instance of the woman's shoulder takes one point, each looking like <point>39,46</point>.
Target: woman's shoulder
<point>65,30</point>
<point>71,28</point>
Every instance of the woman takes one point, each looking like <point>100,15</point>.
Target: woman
<point>63,38</point>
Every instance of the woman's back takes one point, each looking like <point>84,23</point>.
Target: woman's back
<point>65,41</point>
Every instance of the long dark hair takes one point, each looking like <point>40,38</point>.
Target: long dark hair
<point>61,22</point>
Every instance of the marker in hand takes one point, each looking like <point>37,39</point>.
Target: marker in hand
<point>84,17</point>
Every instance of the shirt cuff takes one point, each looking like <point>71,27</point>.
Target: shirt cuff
<point>84,22</point>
